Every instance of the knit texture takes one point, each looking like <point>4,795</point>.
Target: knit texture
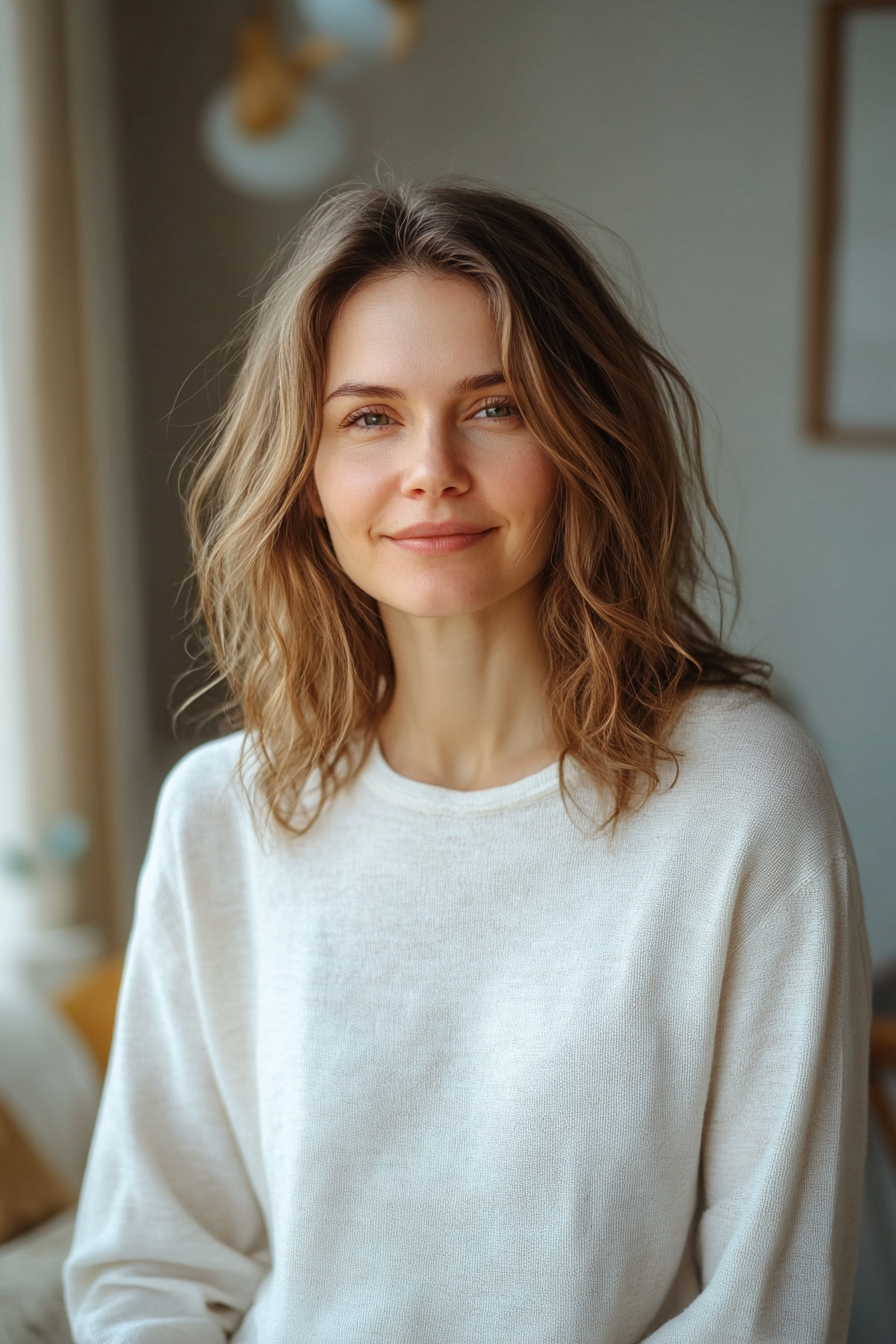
<point>456,1068</point>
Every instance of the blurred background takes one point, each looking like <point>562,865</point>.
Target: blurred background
<point>153,155</point>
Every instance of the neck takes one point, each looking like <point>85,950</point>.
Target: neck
<point>469,709</point>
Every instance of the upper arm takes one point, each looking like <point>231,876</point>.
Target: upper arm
<point>170,1236</point>
<point>784,1133</point>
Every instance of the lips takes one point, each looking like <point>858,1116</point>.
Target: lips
<point>439,538</point>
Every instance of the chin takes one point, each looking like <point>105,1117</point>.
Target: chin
<point>437,600</point>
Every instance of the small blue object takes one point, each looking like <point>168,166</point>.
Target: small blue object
<point>66,840</point>
<point>367,27</point>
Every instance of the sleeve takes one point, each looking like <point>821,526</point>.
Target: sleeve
<point>785,1127</point>
<point>170,1242</point>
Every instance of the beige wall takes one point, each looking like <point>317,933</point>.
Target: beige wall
<point>684,126</point>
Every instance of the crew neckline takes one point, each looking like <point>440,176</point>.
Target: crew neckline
<point>381,779</point>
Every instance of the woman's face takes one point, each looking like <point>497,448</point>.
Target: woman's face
<point>437,498</point>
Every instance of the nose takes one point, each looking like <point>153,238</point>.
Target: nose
<point>435,466</point>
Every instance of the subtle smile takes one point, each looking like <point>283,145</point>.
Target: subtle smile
<point>438,538</point>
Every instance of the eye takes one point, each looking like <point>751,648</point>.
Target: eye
<point>497,410</point>
<point>368,417</point>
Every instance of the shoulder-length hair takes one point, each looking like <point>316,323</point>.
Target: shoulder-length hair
<point>302,649</point>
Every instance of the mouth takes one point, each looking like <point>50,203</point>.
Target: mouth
<point>439,538</point>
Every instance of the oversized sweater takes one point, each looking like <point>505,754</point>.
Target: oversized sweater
<point>460,1068</point>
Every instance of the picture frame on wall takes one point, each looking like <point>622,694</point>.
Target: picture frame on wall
<point>850,392</point>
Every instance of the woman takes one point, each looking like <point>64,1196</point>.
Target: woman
<point>504,978</point>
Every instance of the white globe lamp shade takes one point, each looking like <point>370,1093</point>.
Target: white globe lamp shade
<point>303,155</point>
<point>366,27</point>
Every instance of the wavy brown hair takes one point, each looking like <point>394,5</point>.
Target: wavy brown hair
<point>302,649</point>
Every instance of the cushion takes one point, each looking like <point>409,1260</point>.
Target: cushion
<point>89,1004</point>
<point>49,1091</point>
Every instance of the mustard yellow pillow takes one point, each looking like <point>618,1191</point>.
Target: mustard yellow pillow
<point>89,1004</point>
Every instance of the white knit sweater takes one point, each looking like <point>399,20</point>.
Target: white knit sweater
<point>453,1069</point>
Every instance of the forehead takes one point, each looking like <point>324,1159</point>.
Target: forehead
<point>412,325</point>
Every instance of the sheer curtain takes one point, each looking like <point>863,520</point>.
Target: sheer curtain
<point>63,497</point>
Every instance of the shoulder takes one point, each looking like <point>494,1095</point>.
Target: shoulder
<point>206,816</point>
<point>768,814</point>
<point>752,779</point>
<point>203,781</point>
<point>204,836</point>
<point>733,739</point>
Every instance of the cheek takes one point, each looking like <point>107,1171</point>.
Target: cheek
<point>351,492</point>
<point>526,490</point>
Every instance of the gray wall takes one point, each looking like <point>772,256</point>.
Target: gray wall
<point>683,125</point>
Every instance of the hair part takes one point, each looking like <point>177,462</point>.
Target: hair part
<point>302,649</point>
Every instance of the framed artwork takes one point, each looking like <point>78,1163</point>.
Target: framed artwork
<point>851,338</point>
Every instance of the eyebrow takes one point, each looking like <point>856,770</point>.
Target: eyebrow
<point>477,383</point>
